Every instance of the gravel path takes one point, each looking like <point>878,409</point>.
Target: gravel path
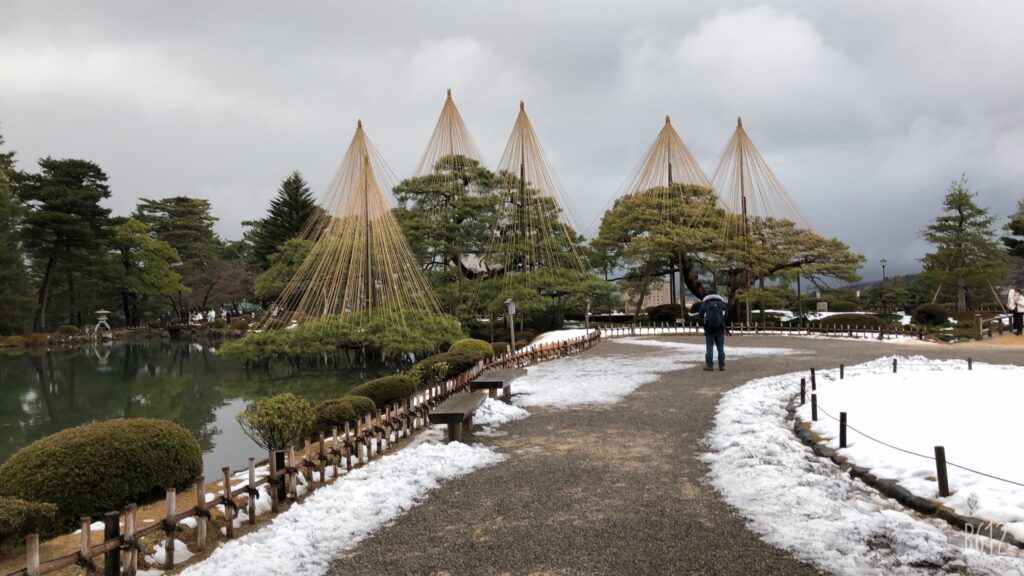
<point>614,489</point>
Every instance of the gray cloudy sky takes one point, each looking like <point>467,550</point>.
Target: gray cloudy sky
<point>865,110</point>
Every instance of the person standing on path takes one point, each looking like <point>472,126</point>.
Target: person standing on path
<point>1015,304</point>
<point>713,314</point>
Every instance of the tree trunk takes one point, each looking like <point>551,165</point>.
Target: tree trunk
<point>961,294</point>
<point>127,308</point>
<point>71,297</point>
<point>39,325</point>
<point>691,279</point>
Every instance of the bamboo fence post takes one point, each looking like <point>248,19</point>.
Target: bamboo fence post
<point>229,515</point>
<point>32,554</point>
<point>321,459</point>
<point>252,490</point>
<point>307,463</point>
<point>348,447</point>
<point>132,554</point>
<point>336,456</point>
<point>291,480</point>
<point>203,516</point>
<point>169,528</point>
<point>112,531</point>
<point>83,553</point>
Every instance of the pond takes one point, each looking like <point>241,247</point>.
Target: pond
<point>43,392</point>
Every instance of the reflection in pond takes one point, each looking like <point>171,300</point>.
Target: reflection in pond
<point>45,392</point>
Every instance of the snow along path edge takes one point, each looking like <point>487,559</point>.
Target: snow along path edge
<point>893,489</point>
<point>305,538</point>
<point>796,501</point>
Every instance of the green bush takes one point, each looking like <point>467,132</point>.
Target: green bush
<point>13,342</point>
<point>386,390</point>
<point>931,315</point>
<point>520,344</point>
<point>219,323</point>
<point>334,412</point>
<point>664,313</point>
<point>68,330</point>
<point>88,470</point>
<point>239,324</point>
<point>274,423</point>
<point>444,366</point>
<point>19,518</point>
<point>499,348</point>
<point>36,339</point>
<point>843,306</point>
<point>361,405</point>
<point>855,321</point>
<point>472,345</point>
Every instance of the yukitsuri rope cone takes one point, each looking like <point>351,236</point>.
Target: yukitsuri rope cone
<point>450,140</point>
<point>359,261</point>
<point>668,161</point>
<point>533,233</point>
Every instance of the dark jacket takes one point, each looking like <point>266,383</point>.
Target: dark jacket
<point>704,307</point>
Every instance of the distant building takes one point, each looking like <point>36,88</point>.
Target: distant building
<point>659,294</point>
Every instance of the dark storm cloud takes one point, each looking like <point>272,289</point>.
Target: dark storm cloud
<point>866,111</point>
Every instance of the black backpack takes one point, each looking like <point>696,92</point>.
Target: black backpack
<point>714,318</point>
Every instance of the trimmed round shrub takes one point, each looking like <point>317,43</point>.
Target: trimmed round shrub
<point>274,423</point>
<point>361,405</point>
<point>520,344</point>
<point>499,348</point>
<point>472,345</point>
<point>88,470</point>
<point>334,412</point>
<point>68,330</point>
<point>219,323</point>
<point>19,518</point>
<point>444,366</point>
<point>386,390</point>
<point>931,314</point>
<point>239,324</point>
<point>664,313</point>
<point>843,306</point>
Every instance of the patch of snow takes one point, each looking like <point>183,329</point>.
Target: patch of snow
<point>92,527</point>
<point>159,555</point>
<point>582,380</point>
<point>189,522</point>
<point>556,336</point>
<point>810,507</point>
<point>493,413</point>
<point>304,539</point>
<point>974,414</point>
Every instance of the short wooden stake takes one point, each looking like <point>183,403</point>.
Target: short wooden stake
<point>252,492</point>
<point>814,407</point>
<point>803,391</point>
<point>32,554</point>
<point>83,553</point>
<point>814,380</point>
<point>940,470</point>
<point>169,529</point>
<point>291,479</point>
<point>112,531</point>
<point>321,459</point>
<point>842,371</point>
<point>131,558</point>
<point>970,363</point>
<point>842,429</point>
<point>229,511</point>
<point>202,521</point>
<point>893,365</point>
<point>336,457</point>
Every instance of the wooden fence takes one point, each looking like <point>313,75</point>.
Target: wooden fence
<point>849,331</point>
<point>290,476</point>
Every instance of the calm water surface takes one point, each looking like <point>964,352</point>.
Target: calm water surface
<point>45,392</point>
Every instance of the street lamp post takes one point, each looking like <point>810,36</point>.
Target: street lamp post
<point>884,262</point>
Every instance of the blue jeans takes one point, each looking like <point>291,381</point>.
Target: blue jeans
<point>714,340</point>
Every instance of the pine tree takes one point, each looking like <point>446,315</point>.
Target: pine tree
<point>14,291</point>
<point>967,255</point>
<point>289,211</point>
<point>64,223</point>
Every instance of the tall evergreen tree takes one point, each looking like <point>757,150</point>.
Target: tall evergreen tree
<point>14,291</point>
<point>64,222</point>
<point>145,266</point>
<point>967,256</point>
<point>289,211</point>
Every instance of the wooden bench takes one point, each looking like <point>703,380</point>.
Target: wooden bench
<point>457,413</point>
<point>493,380</point>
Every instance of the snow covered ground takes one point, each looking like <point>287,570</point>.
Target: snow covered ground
<point>556,336</point>
<point>580,380</point>
<point>974,414</point>
<point>808,506</point>
<point>305,538</point>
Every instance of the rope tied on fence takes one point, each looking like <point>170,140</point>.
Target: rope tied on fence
<point>252,492</point>
<point>202,513</point>
<point>128,544</point>
<point>170,528</point>
<point>86,563</point>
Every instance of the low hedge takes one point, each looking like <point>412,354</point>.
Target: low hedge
<point>499,348</point>
<point>19,518</point>
<point>843,306</point>
<point>13,342</point>
<point>472,345</point>
<point>931,315</point>
<point>239,324</point>
<point>338,411</point>
<point>361,405</point>
<point>386,390</point>
<point>68,330</point>
<point>444,366</point>
<point>91,469</point>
